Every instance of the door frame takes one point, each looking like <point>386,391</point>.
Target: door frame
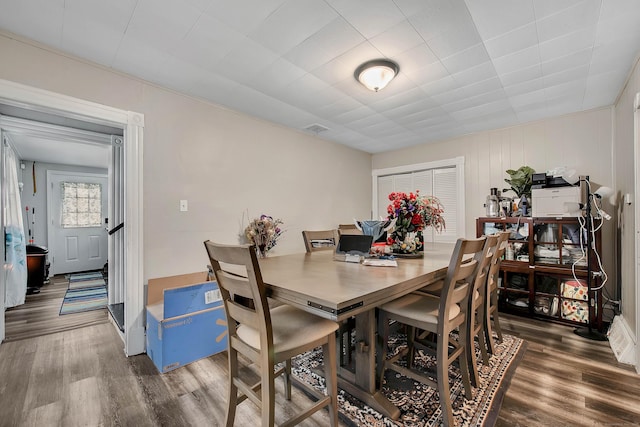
<point>132,123</point>
<point>50,231</point>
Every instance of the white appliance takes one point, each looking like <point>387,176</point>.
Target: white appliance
<point>554,201</point>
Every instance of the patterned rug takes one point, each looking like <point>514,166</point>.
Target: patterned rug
<point>419,403</point>
<point>86,292</point>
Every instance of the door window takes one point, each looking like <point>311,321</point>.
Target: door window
<point>81,204</point>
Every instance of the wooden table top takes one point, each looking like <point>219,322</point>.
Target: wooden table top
<point>337,290</point>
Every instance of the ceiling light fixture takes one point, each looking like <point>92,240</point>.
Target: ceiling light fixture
<point>376,74</point>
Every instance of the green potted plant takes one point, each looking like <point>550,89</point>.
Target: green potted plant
<point>520,181</point>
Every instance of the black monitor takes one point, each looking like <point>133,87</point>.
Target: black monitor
<point>355,244</point>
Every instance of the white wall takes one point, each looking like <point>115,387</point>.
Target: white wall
<point>625,159</point>
<point>223,162</point>
<point>581,141</point>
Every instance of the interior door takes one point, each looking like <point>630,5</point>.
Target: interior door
<point>76,217</point>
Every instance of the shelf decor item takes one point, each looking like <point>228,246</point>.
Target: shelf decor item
<point>412,214</point>
<point>264,232</point>
<point>520,182</point>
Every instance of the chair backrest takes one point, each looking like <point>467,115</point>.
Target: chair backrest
<point>461,273</point>
<point>236,262</point>
<point>320,240</point>
<point>494,270</point>
<point>348,229</point>
<point>480,282</point>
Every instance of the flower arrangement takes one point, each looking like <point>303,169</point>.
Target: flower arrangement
<point>264,232</point>
<point>413,213</point>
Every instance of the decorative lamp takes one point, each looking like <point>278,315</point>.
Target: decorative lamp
<point>376,74</point>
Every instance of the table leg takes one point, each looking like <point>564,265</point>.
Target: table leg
<point>363,384</point>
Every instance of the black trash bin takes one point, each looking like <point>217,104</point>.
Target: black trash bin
<point>36,267</point>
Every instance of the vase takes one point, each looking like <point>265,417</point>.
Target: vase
<point>261,251</point>
<point>407,243</point>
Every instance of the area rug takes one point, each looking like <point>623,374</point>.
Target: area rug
<point>419,404</point>
<point>86,292</point>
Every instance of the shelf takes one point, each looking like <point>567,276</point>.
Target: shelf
<point>542,284</point>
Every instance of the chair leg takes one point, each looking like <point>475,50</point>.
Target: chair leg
<point>462,360</point>
<point>496,317</point>
<point>286,376</point>
<point>411,336</point>
<point>331,379</point>
<point>381,353</point>
<point>267,396</point>
<point>470,348</point>
<point>232,395</point>
<point>442,376</point>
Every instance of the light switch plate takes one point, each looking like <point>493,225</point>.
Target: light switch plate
<point>184,206</point>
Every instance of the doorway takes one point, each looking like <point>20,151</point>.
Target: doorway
<point>128,261</point>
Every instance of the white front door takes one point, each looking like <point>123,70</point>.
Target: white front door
<point>77,208</point>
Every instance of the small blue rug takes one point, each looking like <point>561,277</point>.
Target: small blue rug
<point>87,291</point>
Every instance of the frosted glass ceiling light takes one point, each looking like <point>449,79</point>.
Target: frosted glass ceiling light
<point>376,74</point>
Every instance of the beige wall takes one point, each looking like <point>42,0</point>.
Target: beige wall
<point>224,163</point>
<point>581,141</point>
<point>625,159</point>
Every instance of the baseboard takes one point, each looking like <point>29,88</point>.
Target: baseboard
<point>621,341</point>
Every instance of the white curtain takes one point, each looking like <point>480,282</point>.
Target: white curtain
<point>15,265</point>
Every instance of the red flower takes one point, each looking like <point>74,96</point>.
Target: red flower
<point>416,219</point>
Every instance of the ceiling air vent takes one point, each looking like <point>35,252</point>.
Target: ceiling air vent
<point>316,128</point>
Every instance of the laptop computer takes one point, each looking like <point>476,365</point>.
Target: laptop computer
<point>353,247</point>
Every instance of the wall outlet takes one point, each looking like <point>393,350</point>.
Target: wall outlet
<point>184,206</point>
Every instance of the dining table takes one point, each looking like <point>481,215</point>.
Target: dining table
<point>338,290</point>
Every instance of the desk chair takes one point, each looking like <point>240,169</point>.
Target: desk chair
<point>313,239</point>
<point>492,294</point>
<point>267,337</point>
<point>440,316</point>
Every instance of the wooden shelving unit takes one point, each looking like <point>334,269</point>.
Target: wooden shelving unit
<point>544,272</point>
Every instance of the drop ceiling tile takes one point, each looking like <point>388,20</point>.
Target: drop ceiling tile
<point>469,58</point>
<point>334,71</point>
<point>524,87</point>
<point>606,58</point>
<point>476,74</point>
<point>455,40</point>
<point>578,17</point>
<point>139,59</point>
<point>415,59</point>
<point>354,115</point>
<point>545,8</point>
<point>484,87</point>
<point>521,76</point>
<point>609,31</point>
<point>453,95</point>
<point>339,106</point>
<point>413,99</point>
<point>569,44</point>
<point>513,41</point>
<point>369,17</point>
<point>566,76</point>
<point>397,39</point>
<point>330,42</point>
<point>569,92</point>
<point>413,7</point>
<point>475,102</point>
<point>207,42</point>
<point>535,98</point>
<point>517,61</point>
<point>161,23</point>
<point>243,15</point>
<point>181,76</point>
<point>438,17</point>
<point>496,17</point>
<point>245,61</point>
<point>91,40</point>
<point>601,89</point>
<point>360,54</point>
<point>430,74</point>
<point>577,59</point>
<point>292,23</point>
<point>275,76</point>
<point>439,86</point>
<point>40,20</point>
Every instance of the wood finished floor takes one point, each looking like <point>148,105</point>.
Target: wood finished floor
<point>81,377</point>
<point>40,314</point>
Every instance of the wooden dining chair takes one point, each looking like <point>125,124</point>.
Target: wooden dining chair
<point>349,229</point>
<point>320,240</point>
<point>440,316</point>
<point>491,307</point>
<point>268,337</point>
